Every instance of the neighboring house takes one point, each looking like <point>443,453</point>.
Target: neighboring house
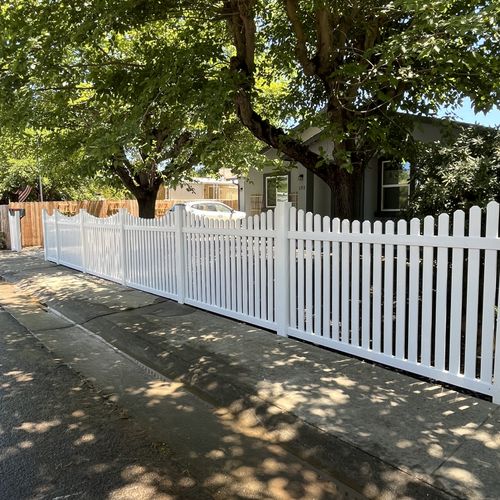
<point>203,188</point>
<point>382,192</point>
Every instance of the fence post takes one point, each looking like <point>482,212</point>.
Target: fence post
<point>15,230</point>
<point>180,262</point>
<point>44,232</point>
<point>122,214</point>
<point>83,213</point>
<point>282,267</point>
<point>58,240</point>
<point>496,362</point>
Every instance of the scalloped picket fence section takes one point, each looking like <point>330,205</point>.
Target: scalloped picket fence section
<point>420,296</point>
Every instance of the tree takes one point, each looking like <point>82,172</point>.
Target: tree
<point>346,67</point>
<point>135,99</point>
<point>350,66</point>
<point>25,162</point>
<point>456,174</point>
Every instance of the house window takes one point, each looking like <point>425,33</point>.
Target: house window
<point>395,185</point>
<point>276,189</point>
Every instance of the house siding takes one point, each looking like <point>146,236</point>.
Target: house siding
<point>310,193</point>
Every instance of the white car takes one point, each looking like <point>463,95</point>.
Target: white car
<point>213,209</point>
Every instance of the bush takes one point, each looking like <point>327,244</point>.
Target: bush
<point>457,174</point>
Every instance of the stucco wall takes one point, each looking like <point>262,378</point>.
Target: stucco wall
<point>183,193</point>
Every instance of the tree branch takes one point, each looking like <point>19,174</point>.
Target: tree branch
<point>242,26</point>
<point>183,140</point>
<point>325,41</point>
<point>119,168</point>
<point>307,64</point>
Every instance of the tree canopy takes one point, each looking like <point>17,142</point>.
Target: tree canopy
<point>137,100</point>
<point>151,88</point>
<point>25,163</point>
<point>350,66</point>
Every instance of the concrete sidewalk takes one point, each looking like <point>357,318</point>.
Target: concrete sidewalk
<point>383,433</point>
<point>61,439</point>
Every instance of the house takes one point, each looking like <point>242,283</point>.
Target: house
<point>223,187</point>
<point>382,193</point>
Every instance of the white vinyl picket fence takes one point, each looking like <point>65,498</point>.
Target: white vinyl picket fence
<point>421,299</point>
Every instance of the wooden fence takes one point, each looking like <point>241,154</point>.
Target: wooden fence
<point>31,223</point>
<point>422,299</point>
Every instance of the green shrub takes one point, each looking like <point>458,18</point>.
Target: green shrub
<point>457,174</point>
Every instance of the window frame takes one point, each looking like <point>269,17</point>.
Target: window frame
<point>266,177</point>
<point>383,186</point>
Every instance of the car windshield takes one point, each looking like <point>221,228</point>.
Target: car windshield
<point>219,207</point>
<point>212,207</point>
<point>199,206</point>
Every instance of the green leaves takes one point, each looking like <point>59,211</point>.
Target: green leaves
<point>108,80</point>
<point>125,77</point>
<point>457,174</point>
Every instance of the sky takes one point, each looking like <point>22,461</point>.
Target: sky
<point>466,114</point>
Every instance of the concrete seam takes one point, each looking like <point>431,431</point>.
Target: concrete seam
<point>150,371</point>
<point>455,450</point>
<point>99,316</point>
<point>52,329</point>
<point>104,315</point>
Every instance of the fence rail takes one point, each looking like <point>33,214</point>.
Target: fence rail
<point>421,297</point>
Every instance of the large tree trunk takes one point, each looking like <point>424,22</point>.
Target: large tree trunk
<point>143,185</point>
<point>147,202</point>
<point>241,17</point>
<point>343,185</point>
<point>344,196</point>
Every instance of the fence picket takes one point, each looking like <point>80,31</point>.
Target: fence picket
<point>244,266</point>
<point>317,299</point>
<point>300,273</point>
<point>427,277</point>
<point>345,284</point>
<point>234,283</point>
<point>199,262</point>
<point>414,295</point>
<point>309,275</point>
<point>335,282</point>
<point>401,270</point>
<point>293,269</point>
<point>441,296</point>
<point>263,273</point>
<point>377,291</point>
<point>251,287</point>
<point>270,268</point>
<point>456,296</point>
<point>472,296</point>
<point>239,283</point>
<point>355,229</point>
<point>213,256</point>
<point>388,307</point>
<point>489,292</point>
<point>326,331</point>
<point>366,287</point>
